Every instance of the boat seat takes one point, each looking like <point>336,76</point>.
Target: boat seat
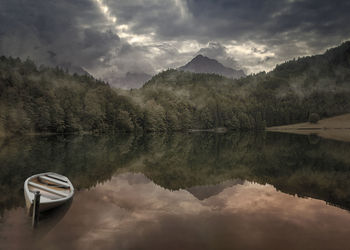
<point>56,177</point>
<point>56,181</point>
<point>44,197</point>
<point>47,189</point>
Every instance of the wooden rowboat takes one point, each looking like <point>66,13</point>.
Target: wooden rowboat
<point>55,190</point>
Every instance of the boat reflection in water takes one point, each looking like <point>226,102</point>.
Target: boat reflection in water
<point>50,218</point>
<point>48,197</point>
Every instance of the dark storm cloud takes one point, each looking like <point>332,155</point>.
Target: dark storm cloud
<point>286,28</point>
<point>111,37</point>
<point>234,19</point>
<point>55,32</point>
<point>167,18</point>
<point>272,21</point>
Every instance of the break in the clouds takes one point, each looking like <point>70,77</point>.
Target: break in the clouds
<point>109,38</point>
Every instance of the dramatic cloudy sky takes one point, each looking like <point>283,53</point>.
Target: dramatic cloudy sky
<point>111,37</point>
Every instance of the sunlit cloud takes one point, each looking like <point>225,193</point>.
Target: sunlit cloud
<point>105,10</point>
<point>122,30</point>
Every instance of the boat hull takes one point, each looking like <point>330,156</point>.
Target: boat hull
<point>45,204</point>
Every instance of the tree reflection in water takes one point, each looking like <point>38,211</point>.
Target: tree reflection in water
<point>291,163</point>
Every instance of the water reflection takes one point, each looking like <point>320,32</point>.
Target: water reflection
<point>292,163</point>
<point>190,191</point>
<point>132,212</point>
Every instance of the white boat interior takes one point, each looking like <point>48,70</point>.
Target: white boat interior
<point>51,187</point>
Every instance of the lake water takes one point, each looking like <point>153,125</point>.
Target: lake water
<point>181,191</point>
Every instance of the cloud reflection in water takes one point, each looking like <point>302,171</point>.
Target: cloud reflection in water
<point>131,212</point>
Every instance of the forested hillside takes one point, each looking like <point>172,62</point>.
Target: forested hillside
<point>288,94</point>
<point>50,100</point>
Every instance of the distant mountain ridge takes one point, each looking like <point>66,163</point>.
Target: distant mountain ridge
<point>203,64</point>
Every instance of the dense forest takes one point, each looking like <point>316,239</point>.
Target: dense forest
<point>50,100</point>
<point>40,99</point>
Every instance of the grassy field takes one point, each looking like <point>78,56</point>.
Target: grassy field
<point>337,128</point>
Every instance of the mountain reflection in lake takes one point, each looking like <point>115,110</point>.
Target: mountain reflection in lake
<point>197,191</point>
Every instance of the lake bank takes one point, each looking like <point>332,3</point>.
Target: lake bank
<point>336,128</point>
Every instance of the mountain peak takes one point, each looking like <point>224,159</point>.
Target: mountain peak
<point>203,64</point>
<point>204,59</point>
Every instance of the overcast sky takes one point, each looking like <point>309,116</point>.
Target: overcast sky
<point>111,37</point>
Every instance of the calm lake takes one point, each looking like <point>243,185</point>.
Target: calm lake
<point>181,191</point>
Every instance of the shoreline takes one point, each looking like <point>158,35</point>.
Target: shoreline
<point>335,128</point>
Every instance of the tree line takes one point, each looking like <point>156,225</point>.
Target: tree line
<point>41,99</point>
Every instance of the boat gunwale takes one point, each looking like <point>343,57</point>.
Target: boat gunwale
<point>28,192</point>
